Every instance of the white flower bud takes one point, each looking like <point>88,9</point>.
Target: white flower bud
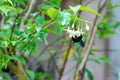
<point>63,22</point>
<point>87,27</point>
<point>73,25</point>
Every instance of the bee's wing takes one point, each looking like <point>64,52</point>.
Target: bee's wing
<point>82,44</point>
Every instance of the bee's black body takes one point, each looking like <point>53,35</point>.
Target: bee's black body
<point>77,39</point>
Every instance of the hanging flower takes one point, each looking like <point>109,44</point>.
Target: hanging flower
<point>76,36</point>
<point>73,33</point>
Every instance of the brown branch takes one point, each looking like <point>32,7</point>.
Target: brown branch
<point>20,72</point>
<point>4,50</point>
<point>53,59</point>
<point>27,14</point>
<point>80,2</point>
<point>89,42</point>
<point>100,11</point>
<point>102,7</point>
<point>64,64</point>
<point>2,17</point>
<point>13,27</point>
<point>17,69</point>
<point>90,1</point>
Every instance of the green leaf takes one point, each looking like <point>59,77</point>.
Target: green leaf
<point>22,2</point>
<point>45,8</point>
<point>6,59</point>
<point>87,9</point>
<point>105,59</point>
<point>30,74</point>
<point>10,2</point>
<point>89,74</point>
<point>16,11</point>
<point>4,10</point>
<point>1,65</point>
<point>117,25</point>
<point>75,9</point>
<point>95,60</point>
<point>93,51</point>
<point>55,3</point>
<point>47,30</point>
<point>79,59</point>
<point>13,42</point>
<point>112,7</point>
<point>43,36</point>
<point>18,58</point>
<point>6,43</point>
<point>48,77</point>
<point>40,75</point>
<point>4,37</point>
<point>40,20</point>
<point>63,17</point>
<point>52,12</point>
<point>47,23</point>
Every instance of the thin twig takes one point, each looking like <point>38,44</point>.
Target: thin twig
<point>13,27</point>
<point>90,1</point>
<point>53,59</point>
<point>36,59</point>
<point>4,50</point>
<point>2,17</point>
<point>80,2</point>
<point>71,69</point>
<point>100,11</point>
<point>27,14</point>
<point>89,42</point>
<point>65,61</point>
<point>104,5</point>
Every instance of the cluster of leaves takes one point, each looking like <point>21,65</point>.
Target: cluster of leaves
<point>107,28</point>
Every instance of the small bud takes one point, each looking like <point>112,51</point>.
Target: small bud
<point>73,25</point>
<point>63,22</point>
<point>87,27</point>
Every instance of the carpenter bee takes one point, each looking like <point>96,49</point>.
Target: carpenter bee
<point>78,39</point>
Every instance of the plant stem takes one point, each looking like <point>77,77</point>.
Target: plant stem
<point>17,69</point>
<point>27,14</point>
<point>89,42</point>
<point>13,27</point>
<point>64,64</point>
